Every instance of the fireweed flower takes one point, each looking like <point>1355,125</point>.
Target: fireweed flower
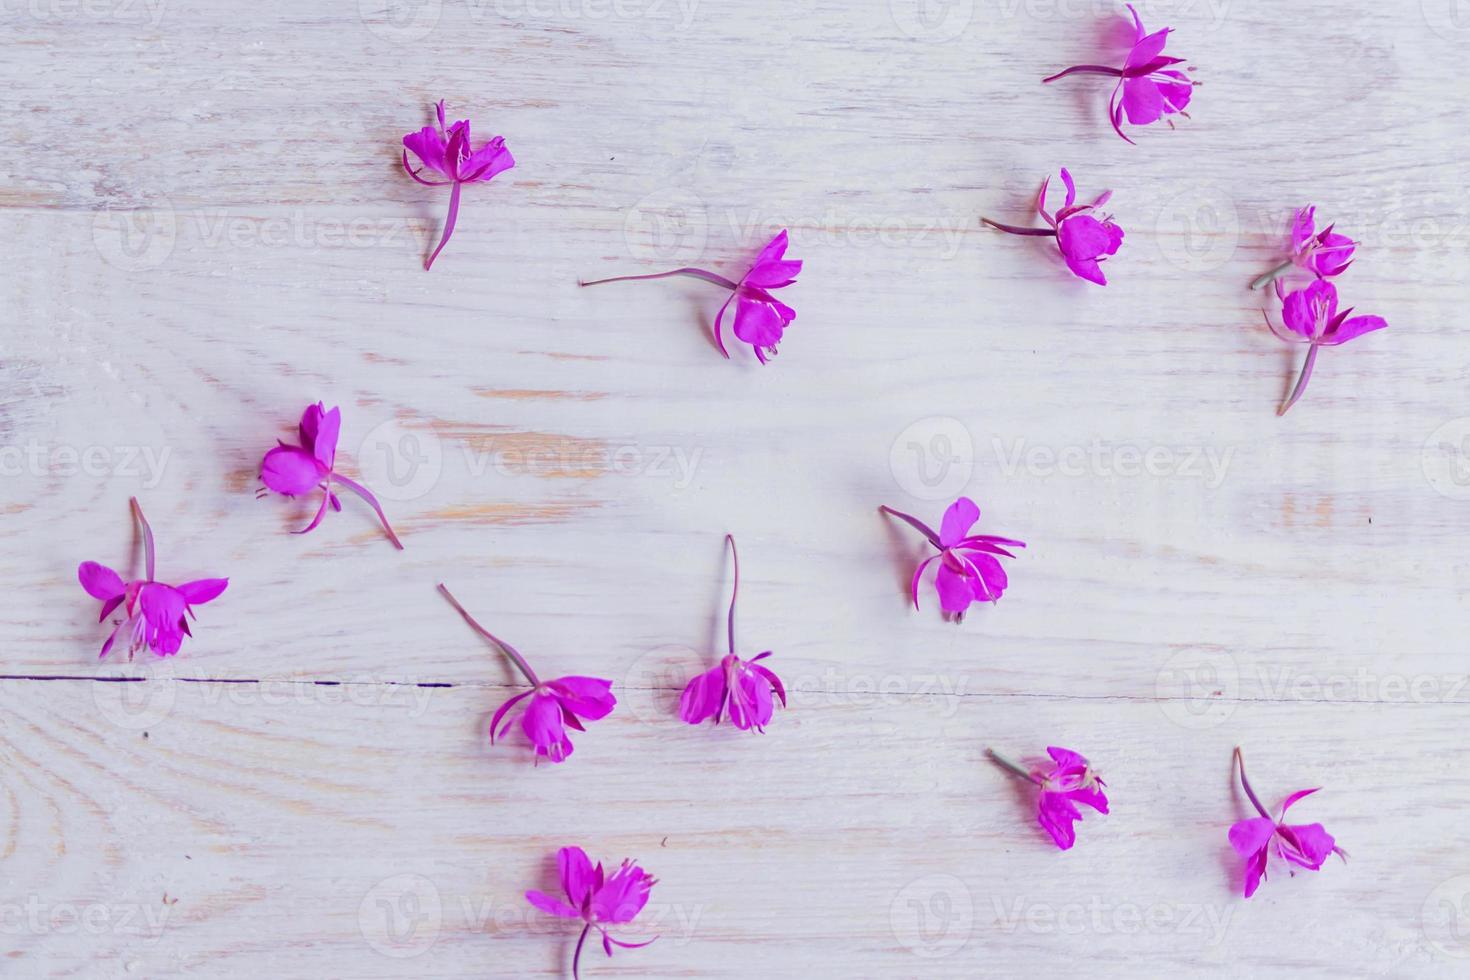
<point>447,152</point>
<point>1084,238</point>
<point>743,687</point>
<point>294,470</point>
<point>968,565</point>
<point>760,318</point>
<point>1068,781</point>
<point>596,898</point>
<point>1311,317</point>
<point>1149,87</point>
<point>555,705</point>
<point>1323,254</point>
<point>155,614</point>
<point>1299,845</point>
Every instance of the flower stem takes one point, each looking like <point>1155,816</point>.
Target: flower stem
<point>1301,382</point>
<point>448,224</point>
<point>1085,70</point>
<point>1245,784</point>
<point>372,502</point>
<point>1014,767</point>
<point>709,277</point>
<point>915,523</point>
<point>147,536</point>
<point>1014,230</point>
<point>577,956</point>
<point>1267,278</point>
<point>510,651</point>
<point>734,592</point>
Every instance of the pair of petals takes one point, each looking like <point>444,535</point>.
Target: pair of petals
<point>744,689</point>
<point>1304,845</point>
<point>1070,782</point>
<point>760,318</point>
<point>554,707</point>
<point>1312,313</point>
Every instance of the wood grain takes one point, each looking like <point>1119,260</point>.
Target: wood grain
<point>204,225</point>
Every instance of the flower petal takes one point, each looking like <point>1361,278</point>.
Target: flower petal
<point>199,592</point>
<point>702,696</point>
<point>1250,836</point>
<point>958,518</point>
<point>589,697</point>
<point>100,581</point>
<point>955,591</point>
<point>577,875</point>
<point>291,471</point>
<point>551,906</point>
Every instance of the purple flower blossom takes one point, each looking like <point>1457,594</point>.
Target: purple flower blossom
<point>760,318</point>
<point>1323,254</point>
<point>969,568</point>
<point>156,615</point>
<point>1310,316</point>
<point>1257,839</point>
<point>449,153</point>
<point>596,898</point>
<point>744,688</point>
<point>294,470</point>
<point>1149,86</point>
<point>1084,238</point>
<point>1068,781</point>
<point>554,705</point>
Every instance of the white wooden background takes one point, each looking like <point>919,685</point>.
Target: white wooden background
<point>204,225</point>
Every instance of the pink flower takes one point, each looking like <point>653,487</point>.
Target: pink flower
<point>968,567</point>
<point>1149,86</point>
<point>1310,316</point>
<point>1300,845</point>
<point>1084,239</point>
<point>760,318</point>
<point>1323,254</point>
<point>448,152</point>
<point>554,705</point>
<point>1070,780</point>
<point>598,899</point>
<point>155,614</point>
<point>743,687</point>
<point>294,470</point>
